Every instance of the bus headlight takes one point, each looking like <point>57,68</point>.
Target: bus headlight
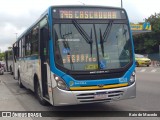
<point>132,78</point>
<point>60,83</point>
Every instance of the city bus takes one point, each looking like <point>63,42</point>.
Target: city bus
<point>9,61</point>
<point>77,55</point>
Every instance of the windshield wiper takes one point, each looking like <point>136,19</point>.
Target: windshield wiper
<point>101,42</point>
<point>105,36</point>
<point>84,34</point>
<point>107,31</point>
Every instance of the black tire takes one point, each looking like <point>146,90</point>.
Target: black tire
<point>2,73</point>
<point>39,95</point>
<point>137,64</point>
<point>11,70</point>
<point>19,81</point>
<point>147,65</point>
<point>11,73</point>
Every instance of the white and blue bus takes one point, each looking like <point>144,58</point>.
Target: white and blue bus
<point>77,55</point>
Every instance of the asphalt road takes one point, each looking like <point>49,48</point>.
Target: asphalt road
<point>148,98</point>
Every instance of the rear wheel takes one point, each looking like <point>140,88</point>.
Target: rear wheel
<point>39,95</point>
<point>19,81</point>
<point>11,70</point>
<point>147,65</point>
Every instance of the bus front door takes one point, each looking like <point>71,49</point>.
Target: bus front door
<point>44,56</point>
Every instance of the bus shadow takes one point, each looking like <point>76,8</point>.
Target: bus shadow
<point>84,110</point>
<point>87,107</point>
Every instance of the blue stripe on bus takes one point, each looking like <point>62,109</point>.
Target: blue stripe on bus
<point>51,50</point>
<point>131,40</point>
<point>52,61</point>
<point>71,82</point>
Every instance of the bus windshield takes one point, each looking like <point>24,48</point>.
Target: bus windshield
<point>92,45</point>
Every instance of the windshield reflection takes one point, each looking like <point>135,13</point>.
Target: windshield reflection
<point>78,45</point>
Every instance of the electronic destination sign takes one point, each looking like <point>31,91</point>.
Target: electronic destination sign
<point>88,13</point>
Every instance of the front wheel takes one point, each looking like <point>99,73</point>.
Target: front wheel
<point>39,95</point>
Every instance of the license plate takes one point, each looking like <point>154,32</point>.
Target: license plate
<point>100,96</point>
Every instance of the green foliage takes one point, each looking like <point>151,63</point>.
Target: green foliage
<point>2,56</point>
<point>148,43</point>
<point>154,21</point>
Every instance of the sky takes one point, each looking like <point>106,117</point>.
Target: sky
<point>17,15</point>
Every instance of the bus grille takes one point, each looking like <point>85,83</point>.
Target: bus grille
<point>90,97</point>
<point>97,76</point>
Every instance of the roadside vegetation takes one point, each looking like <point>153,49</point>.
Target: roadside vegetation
<point>149,43</point>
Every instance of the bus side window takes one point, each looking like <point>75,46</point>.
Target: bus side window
<point>15,52</point>
<point>44,38</point>
<point>34,40</point>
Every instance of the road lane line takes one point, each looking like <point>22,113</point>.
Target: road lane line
<point>154,70</point>
<point>143,70</point>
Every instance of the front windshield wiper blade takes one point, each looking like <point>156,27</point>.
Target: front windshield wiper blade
<point>105,35</point>
<point>101,42</point>
<point>91,43</point>
<point>84,34</point>
<point>107,31</point>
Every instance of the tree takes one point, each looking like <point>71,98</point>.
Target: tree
<point>148,43</point>
<point>2,56</point>
<point>154,21</point>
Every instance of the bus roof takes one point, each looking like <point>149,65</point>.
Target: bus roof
<point>63,6</point>
<point>85,6</point>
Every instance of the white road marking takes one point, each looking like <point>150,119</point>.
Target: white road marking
<point>143,70</point>
<point>154,70</point>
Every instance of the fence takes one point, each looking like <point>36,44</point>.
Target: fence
<point>155,58</point>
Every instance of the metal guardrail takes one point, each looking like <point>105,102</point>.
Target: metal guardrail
<point>154,57</point>
<point>155,63</point>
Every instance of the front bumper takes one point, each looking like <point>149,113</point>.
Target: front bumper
<point>62,97</point>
